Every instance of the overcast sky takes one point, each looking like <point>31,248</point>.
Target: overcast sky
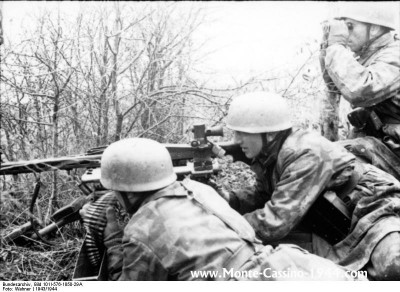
<point>256,35</point>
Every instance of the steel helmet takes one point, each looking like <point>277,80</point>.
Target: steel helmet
<point>136,165</point>
<point>258,112</point>
<point>379,13</point>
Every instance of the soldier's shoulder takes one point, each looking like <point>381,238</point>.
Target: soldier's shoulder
<point>304,140</point>
<point>391,50</point>
<point>146,222</point>
<point>310,143</point>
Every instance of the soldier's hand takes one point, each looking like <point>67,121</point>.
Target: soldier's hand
<point>338,32</point>
<point>325,34</point>
<point>326,27</point>
<point>113,232</point>
<point>223,193</point>
<point>83,211</point>
<point>219,189</point>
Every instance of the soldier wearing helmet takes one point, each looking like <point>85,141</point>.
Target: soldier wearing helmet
<point>360,57</point>
<point>178,229</point>
<point>295,170</point>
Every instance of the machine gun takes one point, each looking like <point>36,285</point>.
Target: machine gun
<point>196,160</point>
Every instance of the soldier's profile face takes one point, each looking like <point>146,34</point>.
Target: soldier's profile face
<point>358,34</point>
<point>251,144</point>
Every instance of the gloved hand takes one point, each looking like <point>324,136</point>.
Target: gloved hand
<point>113,232</point>
<point>338,32</point>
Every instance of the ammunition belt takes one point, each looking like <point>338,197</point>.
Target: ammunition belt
<point>95,221</point>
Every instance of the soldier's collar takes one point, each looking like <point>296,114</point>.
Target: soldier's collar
<point>270,151</point>
<point>173,190</point>
<point>376,44</point>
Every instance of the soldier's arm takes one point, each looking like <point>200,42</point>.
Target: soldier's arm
<point>139,263</point>
<point>248,199</point>
<point>302,180</point>
<point>362,85</point>
<point>127,258</point>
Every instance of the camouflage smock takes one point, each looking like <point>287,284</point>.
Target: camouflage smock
<point>290,177</point>
<point>176,231</point>
<point>188,227</point>
<point>372,80</point>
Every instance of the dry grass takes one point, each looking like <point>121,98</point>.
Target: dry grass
<point>39,262</point>
<point>34,260</point>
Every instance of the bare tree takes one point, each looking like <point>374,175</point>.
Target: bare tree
<point>44,72</point>
<point>102,76</point>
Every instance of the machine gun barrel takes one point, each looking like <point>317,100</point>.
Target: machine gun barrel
<point>48,164</point>
<point>177,151</point>
<point>195,160</point>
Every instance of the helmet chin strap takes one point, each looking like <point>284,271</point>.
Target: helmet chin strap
<point>368,32</point>
<point>369,39</point>
<point>368,42</point>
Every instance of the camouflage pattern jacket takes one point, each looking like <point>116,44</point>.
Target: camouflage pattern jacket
<point>371,81</point>
<point>188,227</point>
<point>184,227</point>
<point>292,173</point>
